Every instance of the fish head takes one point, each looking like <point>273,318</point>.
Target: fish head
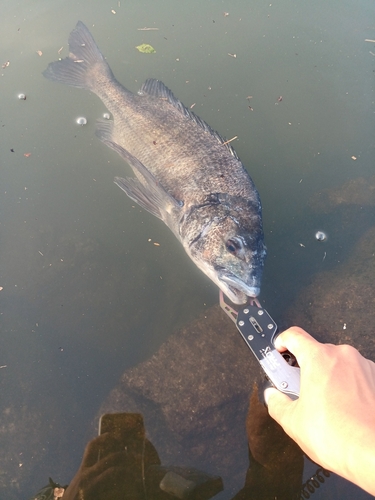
<point>230,249</point>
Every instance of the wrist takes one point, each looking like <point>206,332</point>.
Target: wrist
<point>360,463</point>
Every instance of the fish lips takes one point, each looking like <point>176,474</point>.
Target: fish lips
<point>236,289</point>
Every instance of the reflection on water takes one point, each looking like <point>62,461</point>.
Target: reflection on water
<point>123,463</point>
<point>86,296</point>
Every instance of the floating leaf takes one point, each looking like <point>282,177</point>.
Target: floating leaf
<point>145,48</point>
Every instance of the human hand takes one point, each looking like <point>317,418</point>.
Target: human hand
<point>333,421</point>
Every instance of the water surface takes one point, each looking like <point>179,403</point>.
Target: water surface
<point>85,292</point>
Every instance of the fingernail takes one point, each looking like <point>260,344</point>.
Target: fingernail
<point>277,342</point>
<point>267,393</point>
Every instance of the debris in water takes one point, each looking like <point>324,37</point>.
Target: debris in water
<point>230,140</point>
<point>145,48</point>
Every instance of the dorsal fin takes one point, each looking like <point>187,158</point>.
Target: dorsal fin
<point>156,88</point>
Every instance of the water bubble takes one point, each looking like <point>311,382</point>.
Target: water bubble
<point>81,120</point>
<point>22,97</point>
<point>107,116</point>
<point>320,236</point>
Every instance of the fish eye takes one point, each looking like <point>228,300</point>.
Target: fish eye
<point>233,246</point>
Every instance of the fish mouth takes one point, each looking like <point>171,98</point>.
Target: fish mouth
<point>236,289</point>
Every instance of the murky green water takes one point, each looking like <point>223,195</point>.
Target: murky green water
<point>85,292</point>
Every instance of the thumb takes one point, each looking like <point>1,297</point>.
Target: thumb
<point>279,406</point>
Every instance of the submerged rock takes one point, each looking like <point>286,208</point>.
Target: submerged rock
<point>338,305</point>
<point>358,191</point>
<point>193,394</point>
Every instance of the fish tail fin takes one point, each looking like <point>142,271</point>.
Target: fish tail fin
<point>85,67</point>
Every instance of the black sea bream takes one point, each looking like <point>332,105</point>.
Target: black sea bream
<point>185,174</point>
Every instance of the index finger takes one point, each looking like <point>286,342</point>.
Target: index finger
<point>297,341</point>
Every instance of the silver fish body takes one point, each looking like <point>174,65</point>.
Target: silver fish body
<point>185,173</point>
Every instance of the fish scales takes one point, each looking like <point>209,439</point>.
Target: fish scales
<point>162,138</point>
<point>185,174</point>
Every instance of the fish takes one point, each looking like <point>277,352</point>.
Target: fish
<point>185,173</point>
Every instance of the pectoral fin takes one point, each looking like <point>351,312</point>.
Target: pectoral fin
<point>150,195</point>
<point>138,193</point>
